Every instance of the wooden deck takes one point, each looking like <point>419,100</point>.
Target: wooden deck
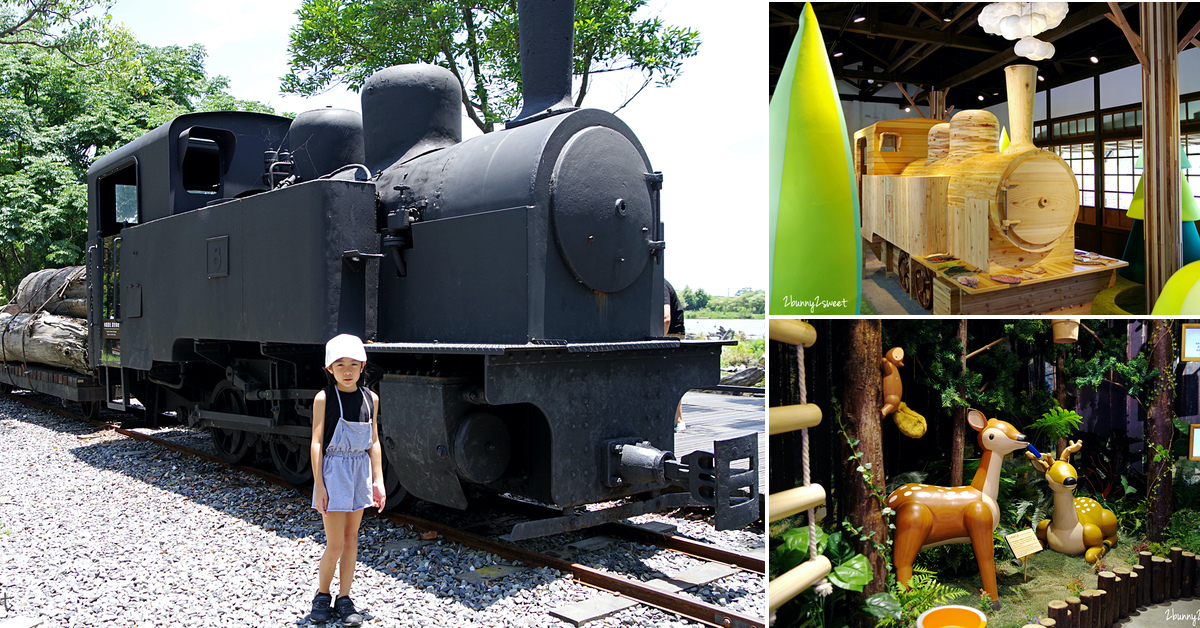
<point>712,416</point>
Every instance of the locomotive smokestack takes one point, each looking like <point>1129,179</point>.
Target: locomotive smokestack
<point>1020,80</point>
<point>547,29</point>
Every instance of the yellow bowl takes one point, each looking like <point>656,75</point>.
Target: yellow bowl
<point>952,617</point>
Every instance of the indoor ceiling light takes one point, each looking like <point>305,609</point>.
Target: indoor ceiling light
<point>1041,78</point>
<point>859,18</point>
<point>907,109</point>
<point>981,97</point>
<point>1023,20</point>
<point>1094,59</point>
<point>837,54</point>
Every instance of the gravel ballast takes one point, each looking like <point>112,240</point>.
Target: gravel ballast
<point>98,529</point>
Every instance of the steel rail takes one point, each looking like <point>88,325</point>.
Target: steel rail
<point>695,610</point>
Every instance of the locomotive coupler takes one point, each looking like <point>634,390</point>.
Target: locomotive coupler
<point>725,479</point>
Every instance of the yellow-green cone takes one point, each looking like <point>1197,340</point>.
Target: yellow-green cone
<point>815,246</point>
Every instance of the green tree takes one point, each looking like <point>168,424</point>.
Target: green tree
<point>686,297</point>
<point>345,41</point>
<point>57,115</point>
<point>700,298</point>
<point>65,26</point>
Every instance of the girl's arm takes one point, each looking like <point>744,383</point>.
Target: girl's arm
<point>378,492</point>
<point>318,442</point>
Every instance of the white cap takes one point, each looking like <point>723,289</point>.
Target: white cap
<point>344,346</point>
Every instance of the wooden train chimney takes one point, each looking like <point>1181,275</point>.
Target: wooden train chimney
<point>1020,80</point>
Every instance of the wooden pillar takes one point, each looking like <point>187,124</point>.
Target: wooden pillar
<point>1160,146</point>
<point>1104,604</point>
<point>861,399</point>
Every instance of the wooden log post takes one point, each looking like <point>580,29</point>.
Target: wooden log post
<point>1107,581</point>
<point>1158,579</point>
<point>1176,573</point>
<point>1141,581</point>
<point>1091,601</point>
<point>1196,577</point>
<point>1135,584</point>
<point>1103,602</point>
<point>1160,142</point>
<point>1059,612</point>
<point>1123,581</point>
<point>1160,430</point>
<point>1048,623</point>
<point>1189,568</point>
<point>1074,604</point>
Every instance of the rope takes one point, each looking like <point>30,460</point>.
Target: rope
<point>823,587</point>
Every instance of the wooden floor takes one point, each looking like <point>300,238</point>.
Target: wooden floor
<point>712,416</point>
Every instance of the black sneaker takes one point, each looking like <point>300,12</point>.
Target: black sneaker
<point>321,612</point>
<point>345,611</point>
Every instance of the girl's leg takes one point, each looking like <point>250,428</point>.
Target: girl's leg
<point>349,551</point>
<point>335,534</point>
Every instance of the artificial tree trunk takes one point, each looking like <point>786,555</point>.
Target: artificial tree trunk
<point>1060,393</point>
<point>1160,430</point>
<point>958,442</point>
<point>861,400</point>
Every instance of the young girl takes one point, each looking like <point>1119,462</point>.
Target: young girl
<point>347,471</point>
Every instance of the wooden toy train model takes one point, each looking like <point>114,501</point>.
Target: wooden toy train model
<point>968,228</point>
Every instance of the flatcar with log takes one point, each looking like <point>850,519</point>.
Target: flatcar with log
<point>968,228</point>
<point>509,288</point>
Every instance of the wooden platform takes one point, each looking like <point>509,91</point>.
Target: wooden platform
<point>1065,288</point>
<point>712,416</point>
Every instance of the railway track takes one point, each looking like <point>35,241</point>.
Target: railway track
<point>651,594</point>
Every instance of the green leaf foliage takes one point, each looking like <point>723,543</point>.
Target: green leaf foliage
<point>345,41</point>
<point>58,114</point>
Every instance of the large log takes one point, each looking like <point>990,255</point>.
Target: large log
<point>44,338</point>
<point>745,377</point>
<point>61,291</point>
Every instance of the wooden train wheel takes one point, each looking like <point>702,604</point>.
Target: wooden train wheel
<point>903,269</point>
<point>923,286</point>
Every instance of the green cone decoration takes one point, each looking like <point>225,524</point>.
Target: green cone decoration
<point>815,247</point>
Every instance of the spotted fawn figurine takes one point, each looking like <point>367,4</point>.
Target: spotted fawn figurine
<point>1080,525</point>
<point>928,516</point>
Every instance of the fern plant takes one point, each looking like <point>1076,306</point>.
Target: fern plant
<point>1057,423</point>
<point>924,593</point>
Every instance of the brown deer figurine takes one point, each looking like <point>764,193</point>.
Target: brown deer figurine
<point>927,516</point>
<point>1080,525</point>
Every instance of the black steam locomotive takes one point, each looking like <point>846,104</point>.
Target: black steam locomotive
<point>509,287</point>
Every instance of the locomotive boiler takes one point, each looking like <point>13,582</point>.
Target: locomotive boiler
<point>972,229</point>
<point>510,288</point>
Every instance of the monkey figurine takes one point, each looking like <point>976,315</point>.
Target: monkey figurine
<point>893,388</point>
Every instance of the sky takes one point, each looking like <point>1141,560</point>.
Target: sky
<point>706,132</point>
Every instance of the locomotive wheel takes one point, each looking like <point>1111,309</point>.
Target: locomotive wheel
<point>903,267</point>
<point>292,460</point>
<point>396,493</point>
<point>923,280</point>
<point>233,446</point>
<point>91,409</point>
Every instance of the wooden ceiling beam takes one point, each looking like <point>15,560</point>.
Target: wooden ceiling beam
<point>1074,22</point>
<point>896,31</point>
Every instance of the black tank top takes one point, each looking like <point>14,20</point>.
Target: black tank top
<point>350,401</point>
